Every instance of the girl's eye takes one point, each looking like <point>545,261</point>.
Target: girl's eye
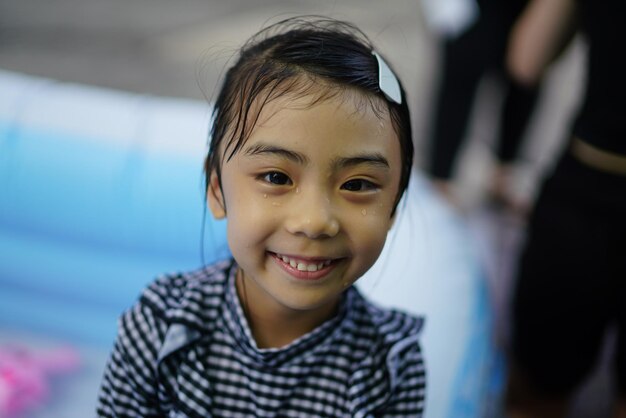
<point>358,185</point>
<point>276,177</point>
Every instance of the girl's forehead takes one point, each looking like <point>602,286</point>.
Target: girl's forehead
<point>326,128</point>
<point>356,106</point>
<point>305,108</point>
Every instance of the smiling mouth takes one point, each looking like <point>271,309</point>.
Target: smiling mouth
<point>304,265</point>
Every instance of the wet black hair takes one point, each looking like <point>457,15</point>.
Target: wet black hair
<point>301,56</point>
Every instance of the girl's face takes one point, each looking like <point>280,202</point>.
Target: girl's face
<point>308,199</point>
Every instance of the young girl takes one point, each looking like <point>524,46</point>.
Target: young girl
<point>310,153</point>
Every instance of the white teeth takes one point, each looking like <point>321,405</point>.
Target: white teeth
<point>303,266</point>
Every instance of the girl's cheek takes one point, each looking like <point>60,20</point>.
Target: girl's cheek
<point>378,218</point>
<point>374,218</point>
<point>380,207</point>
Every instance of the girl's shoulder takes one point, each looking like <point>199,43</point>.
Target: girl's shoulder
<point>393,346</point>
<point>179,295</point>
<point>388,324</point>
<point>173,311</point>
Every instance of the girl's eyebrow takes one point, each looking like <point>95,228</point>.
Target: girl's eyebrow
<point>374,159</point>
<point>261,148</point>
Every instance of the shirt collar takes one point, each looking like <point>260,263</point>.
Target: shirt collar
<point>311,342</point>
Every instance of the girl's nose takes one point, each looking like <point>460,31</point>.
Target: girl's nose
<point>313,216</point>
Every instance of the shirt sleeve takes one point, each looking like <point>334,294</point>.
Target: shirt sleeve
<point>129,387</point>
<point>408,382</point>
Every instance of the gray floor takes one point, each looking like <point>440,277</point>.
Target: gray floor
<point>179,48</point>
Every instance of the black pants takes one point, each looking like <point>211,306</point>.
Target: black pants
<point>572,279</point>
<point>466,59</point>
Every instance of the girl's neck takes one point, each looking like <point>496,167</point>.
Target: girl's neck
<point>275,325</point>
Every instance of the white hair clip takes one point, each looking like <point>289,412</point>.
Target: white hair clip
<point>387,81</point>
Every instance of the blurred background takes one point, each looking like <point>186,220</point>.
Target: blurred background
<point>180,49</point>
<point>76,76</point>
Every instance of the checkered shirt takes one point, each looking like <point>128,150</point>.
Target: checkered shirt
<point>185,350</point>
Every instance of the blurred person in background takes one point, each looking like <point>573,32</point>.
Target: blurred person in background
<point>473,49</point>
<point>571,284</point>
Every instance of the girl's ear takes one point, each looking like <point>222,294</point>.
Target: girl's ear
<point>215,197</point>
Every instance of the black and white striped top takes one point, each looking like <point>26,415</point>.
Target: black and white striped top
<point>185,350</point>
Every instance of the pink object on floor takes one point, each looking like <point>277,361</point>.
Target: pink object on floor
<point>25,374</point>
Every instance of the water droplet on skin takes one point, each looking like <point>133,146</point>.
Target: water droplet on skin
<point>297,190</point>
<point>364,212</point>
<point>275,204</point>
<point>265,196</point>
